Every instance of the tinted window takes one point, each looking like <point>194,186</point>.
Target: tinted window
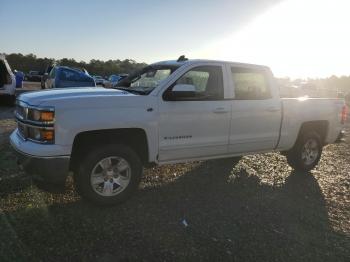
<point>115,78</point>
<point>207,80</point>
<point>250,84</point>
<point>70,75</point>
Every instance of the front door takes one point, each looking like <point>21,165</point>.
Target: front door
<point>196,126</point>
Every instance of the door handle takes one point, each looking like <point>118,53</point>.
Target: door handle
<point>220,110</point>
<point>273,109</point>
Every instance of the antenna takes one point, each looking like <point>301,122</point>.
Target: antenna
<point>182,59</point>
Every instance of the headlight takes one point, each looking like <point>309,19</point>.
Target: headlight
<point>40,134</point>
<point>35,123</point>
<point>40,115</point>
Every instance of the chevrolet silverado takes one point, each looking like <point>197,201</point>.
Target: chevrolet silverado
<point>168,112</point>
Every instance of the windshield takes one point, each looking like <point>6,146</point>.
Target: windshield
<point>146,79</point>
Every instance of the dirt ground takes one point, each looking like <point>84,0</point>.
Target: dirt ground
<point>256,210</point>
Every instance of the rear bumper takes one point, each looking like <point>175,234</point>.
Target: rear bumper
<point>9,91</point>
<point>341,137</point>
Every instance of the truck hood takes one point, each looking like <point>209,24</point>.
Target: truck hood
<point>72,95</point>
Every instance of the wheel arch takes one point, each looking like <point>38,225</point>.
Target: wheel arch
<point>320,127</point>
<point>136,138</point>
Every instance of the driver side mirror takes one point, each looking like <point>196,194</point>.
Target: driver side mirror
<point>181,91</point>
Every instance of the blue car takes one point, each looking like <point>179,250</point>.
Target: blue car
<point>113,80</point>
<point>63,76</point>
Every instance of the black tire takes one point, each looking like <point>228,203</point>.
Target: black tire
<point>296,156</point>
<point>12,100</point>
<point>8,100</point>
<point>82,177</point>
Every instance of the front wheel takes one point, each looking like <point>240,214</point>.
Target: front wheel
<point>306,152</point>
<point>109,175</point>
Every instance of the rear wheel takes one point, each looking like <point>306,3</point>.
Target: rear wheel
<point>306,153</point>
<point>109,175</point>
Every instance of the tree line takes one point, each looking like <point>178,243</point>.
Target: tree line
<point>26,63</point>
<point>31,62</point>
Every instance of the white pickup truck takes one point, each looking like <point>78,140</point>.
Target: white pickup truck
<point>168,112</point>
<point>7,81</point>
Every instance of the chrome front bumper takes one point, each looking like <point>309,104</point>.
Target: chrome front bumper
<point>53,169</point>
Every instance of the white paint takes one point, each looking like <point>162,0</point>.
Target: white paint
<point>207,129</point>
<point>8,89</point>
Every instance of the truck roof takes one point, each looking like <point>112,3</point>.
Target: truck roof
<point>195,61</point>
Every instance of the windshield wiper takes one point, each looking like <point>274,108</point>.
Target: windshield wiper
<point>131,90</point>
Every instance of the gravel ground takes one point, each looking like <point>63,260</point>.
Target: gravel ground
<point>256,210</point>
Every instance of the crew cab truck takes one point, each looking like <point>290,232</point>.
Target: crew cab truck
<point>168,112</point>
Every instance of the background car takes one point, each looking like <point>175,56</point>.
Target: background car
<point>45,75</point>
<point>113,80</point>
<point>98,80</point>
<point>63,76</point>
<point>34,76</point>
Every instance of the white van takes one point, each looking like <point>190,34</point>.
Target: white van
<point>7,80</point>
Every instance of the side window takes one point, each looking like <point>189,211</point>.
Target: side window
<point>84,78</point>
<point>207,80</point>
<point>69,75</point>
<point>52,73</point>
<point>250,84</point>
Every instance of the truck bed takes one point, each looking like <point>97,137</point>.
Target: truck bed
<point>296,111</point>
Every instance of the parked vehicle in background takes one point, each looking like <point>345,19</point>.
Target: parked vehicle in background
<point>123,76</point>
<point>19,78</point>
<point>7,81</point>
<point>347,99</point>
<point>45,75</point>
<point>98,80</point>
<point>113,80</point>
<point>34,76</point>
<point>168,112</point>
<point>63,76</point>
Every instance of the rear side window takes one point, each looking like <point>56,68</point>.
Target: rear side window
<point>250,84</point>
<point>70,75</point>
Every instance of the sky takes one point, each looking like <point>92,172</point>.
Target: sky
<point>296,38</point>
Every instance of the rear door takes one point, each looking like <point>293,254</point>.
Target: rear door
<point>256,111</point>
<point>199,126</point>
